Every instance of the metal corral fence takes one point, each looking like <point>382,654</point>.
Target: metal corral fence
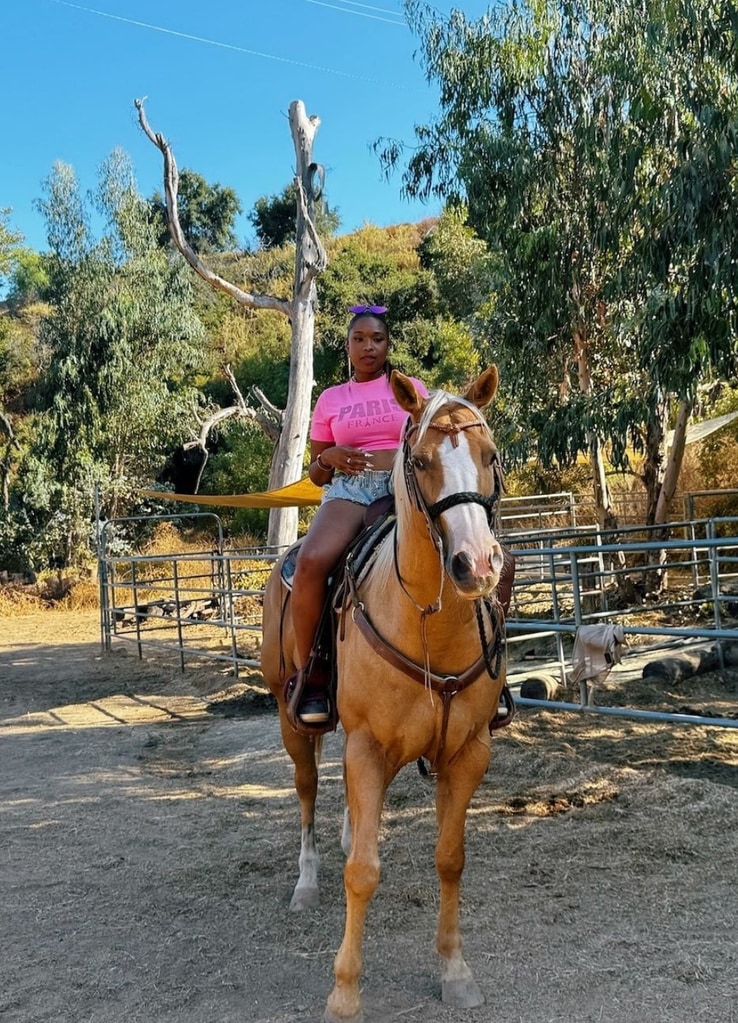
<point>199,604</point>
<point>660,587</point>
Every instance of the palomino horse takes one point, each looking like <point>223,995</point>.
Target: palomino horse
<point>406,688</point>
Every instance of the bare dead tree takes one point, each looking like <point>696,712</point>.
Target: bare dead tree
<point>310,260</point>
<point>5,462</point>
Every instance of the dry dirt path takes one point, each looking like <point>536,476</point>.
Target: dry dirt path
<point>148,843</point>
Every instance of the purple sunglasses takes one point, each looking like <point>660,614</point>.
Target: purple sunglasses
<point>375,310</point>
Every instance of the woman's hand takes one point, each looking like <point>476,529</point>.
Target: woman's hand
<point>351,461</point>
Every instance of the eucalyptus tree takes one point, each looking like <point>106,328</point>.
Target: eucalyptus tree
<point>123,345</point>
<point>565,128</point>
<point>680,276</point>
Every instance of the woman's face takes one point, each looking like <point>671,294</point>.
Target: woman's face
<point>367,346</point>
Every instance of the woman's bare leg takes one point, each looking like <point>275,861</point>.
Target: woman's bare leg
<point>335,525</point>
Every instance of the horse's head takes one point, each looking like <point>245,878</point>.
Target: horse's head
<point>452,474</point>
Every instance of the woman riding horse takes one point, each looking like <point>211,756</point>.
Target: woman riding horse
<point>355,432</point>
<point>420,657</point>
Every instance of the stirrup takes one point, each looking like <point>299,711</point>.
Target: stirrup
<point>300,692</point>
<point>505,711</point>
<point>314,710</point>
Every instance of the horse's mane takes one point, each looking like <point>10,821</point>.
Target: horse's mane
<point>436,401</point>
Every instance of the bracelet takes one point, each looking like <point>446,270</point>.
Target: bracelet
<point>320,464</point>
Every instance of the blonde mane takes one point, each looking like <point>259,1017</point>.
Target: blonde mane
<point>436,401</point>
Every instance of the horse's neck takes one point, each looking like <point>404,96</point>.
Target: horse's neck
<point>397,593</point>
<point>418,558</point>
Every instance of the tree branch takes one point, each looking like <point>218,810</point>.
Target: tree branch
<point>12,440</point>
<point>171,183</point>
<point>318,259</point>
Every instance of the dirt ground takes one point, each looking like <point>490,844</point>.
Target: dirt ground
<point>149,838</point>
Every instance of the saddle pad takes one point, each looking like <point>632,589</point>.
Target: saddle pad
<point>288,564</point>
<point>366,543</point>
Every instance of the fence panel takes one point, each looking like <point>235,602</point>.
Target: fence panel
<point>207,604</point>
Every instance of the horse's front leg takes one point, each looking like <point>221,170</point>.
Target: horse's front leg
<point>366,783</point>
<point>305,754</point>
<point>455,787</point>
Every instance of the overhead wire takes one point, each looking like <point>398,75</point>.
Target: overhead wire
<point>225,46</point>
<point>361,14</point>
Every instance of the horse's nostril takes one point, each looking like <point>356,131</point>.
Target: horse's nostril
<point>461,565</point>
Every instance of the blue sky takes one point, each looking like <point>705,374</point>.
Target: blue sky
<point>219,79</point>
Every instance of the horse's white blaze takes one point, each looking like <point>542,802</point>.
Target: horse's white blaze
<point>467,528</point>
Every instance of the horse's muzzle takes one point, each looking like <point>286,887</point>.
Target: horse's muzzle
<point>476,575</point>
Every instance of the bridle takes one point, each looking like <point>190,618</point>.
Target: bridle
<point>431,513</point>
<point>492,649</point>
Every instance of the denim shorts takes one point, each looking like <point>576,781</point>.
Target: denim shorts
<point>364,488</point>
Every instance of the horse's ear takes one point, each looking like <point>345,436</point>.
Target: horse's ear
<point>484,388</point>
<point>406,393</point>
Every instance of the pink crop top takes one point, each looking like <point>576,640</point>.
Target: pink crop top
<point>362,415</point>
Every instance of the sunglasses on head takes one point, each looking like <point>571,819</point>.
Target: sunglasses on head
<point>375,310</point>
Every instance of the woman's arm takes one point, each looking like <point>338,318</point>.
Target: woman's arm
<point>320,471</point>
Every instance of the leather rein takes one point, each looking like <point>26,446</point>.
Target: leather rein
<point>492,647</point>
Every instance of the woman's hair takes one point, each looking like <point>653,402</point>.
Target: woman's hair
<point>363,314</point>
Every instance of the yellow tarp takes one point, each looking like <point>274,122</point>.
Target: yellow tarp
<point>302,494</point>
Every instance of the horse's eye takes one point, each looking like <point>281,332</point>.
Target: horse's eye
<point>419,462</point>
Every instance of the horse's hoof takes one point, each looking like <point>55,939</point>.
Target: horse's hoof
<point>461,994</point>
<point>330,1017</point>
<point>343,1009</point>
<point>304,898</point>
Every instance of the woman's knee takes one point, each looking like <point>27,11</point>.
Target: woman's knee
<point>317,561</point>
<point>328,537</point>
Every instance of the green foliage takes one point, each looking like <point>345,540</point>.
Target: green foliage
<point>123,346</point>
<point>594,148</point>
<point>241,466</point>
<point>207,213</point>
<point>19,360</point>
<point>29,281</point>
<point>10,241</point>
<point>462,264</point>
<point>274,218</point>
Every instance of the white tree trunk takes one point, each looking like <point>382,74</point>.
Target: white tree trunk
<point>310,260</point>
<point>674,461</point>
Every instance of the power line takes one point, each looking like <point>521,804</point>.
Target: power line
<point>227,46</point>
<point>361,14</point>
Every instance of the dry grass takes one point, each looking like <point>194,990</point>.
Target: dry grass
<point>52,592</point>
